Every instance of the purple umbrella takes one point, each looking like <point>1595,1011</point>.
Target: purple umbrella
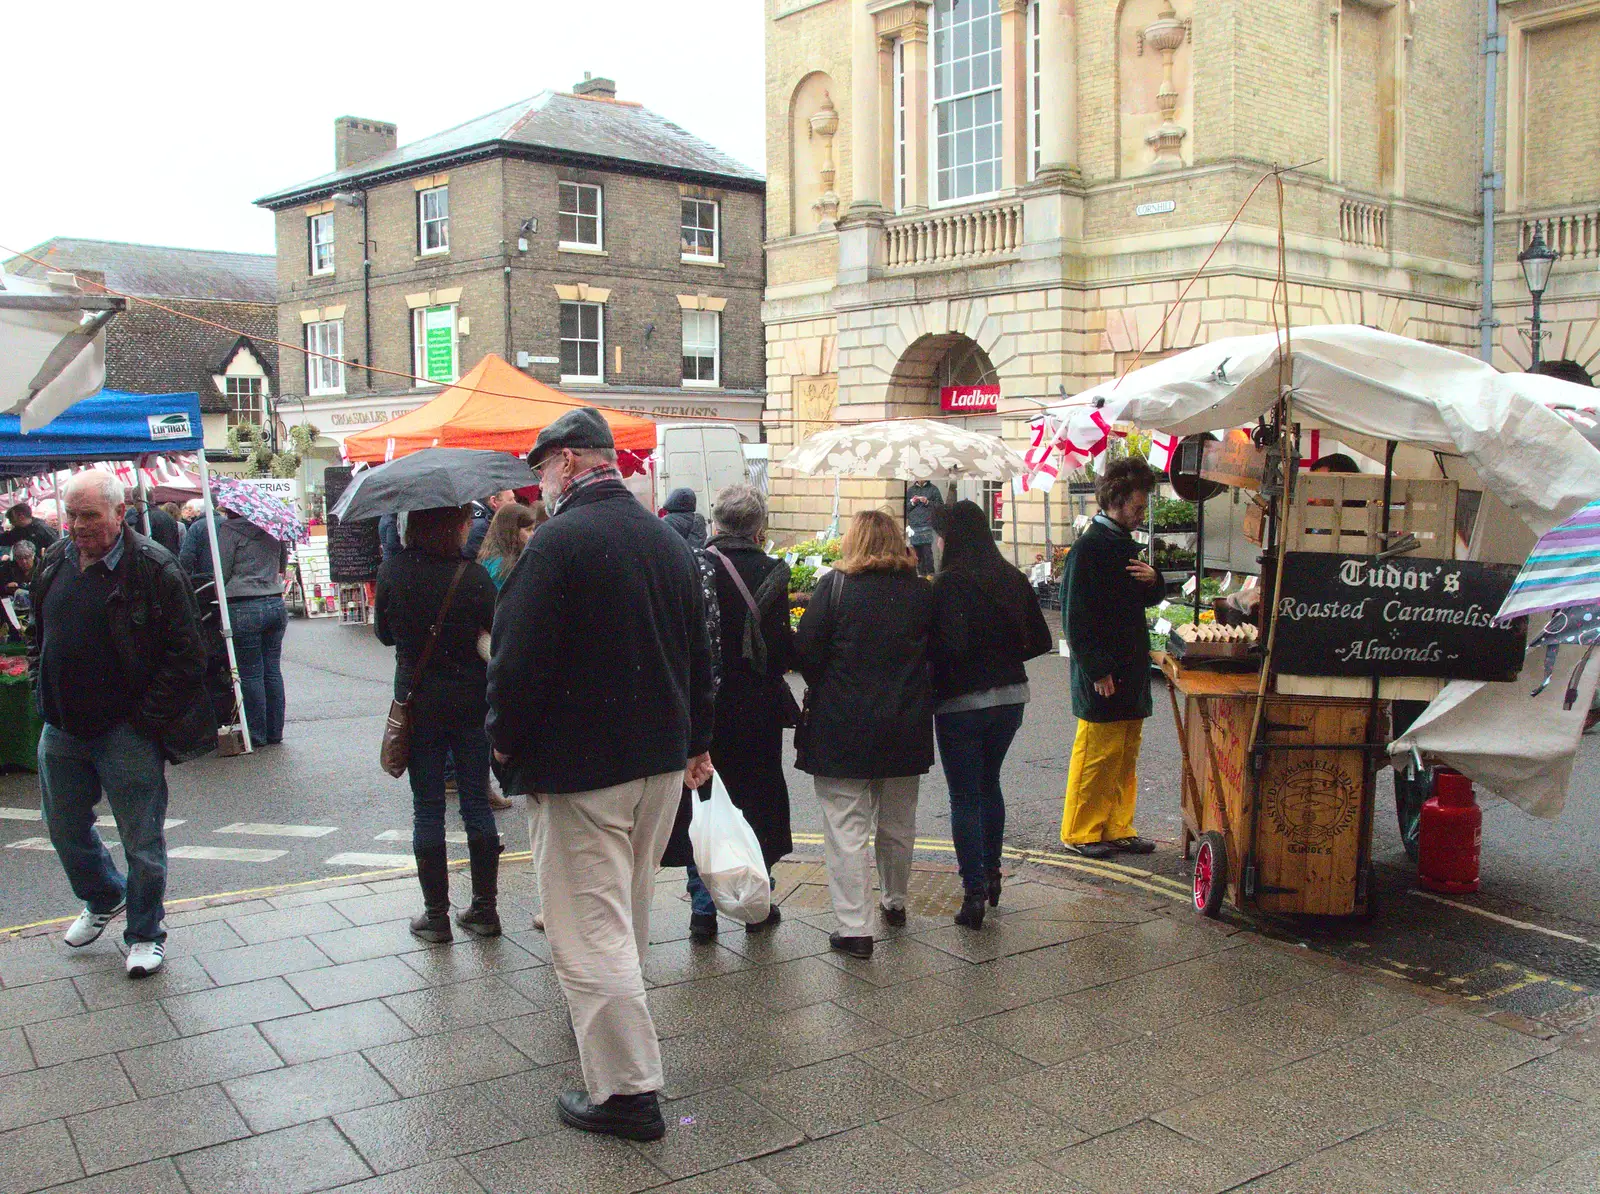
<point>273,515</point>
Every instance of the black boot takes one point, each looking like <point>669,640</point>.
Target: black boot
<point>994,888</point>
<point>972,908</point>
<point>433,874</point>
<point>483,918</point>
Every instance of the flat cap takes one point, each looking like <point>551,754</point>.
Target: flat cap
<point>583,429</point>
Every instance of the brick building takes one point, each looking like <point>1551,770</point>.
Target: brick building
<point>153,351</point>
<point>1012,192</point>
<point>583,238</point>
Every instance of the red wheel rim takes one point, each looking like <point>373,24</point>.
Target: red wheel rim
<point>1202,875</point>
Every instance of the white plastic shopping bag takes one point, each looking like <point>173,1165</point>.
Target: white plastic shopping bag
<point>729,857</point>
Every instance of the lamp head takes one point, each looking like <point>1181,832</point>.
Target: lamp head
<point>1536,261</point>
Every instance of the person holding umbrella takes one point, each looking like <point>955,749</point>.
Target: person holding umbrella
<point>254,546</point>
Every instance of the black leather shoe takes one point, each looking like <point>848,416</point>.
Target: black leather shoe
<point>895,917</point>
<point>632,1116</point>
<point>1091,849</point>
<point>972,909</point>
<point>994,890</point>
<point>1133,845</point>
<point>702,925</point>
<point>774,918</point>
<point>856,947</point>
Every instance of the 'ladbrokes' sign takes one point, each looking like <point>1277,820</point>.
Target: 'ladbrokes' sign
<point>1350,616</point>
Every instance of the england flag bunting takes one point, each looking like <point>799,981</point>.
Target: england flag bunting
<point>1054,451</point>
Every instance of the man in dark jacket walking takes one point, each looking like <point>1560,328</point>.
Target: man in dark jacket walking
<point>600,709</point>
<point>25,526</point>
<point>1108,588</point>
<point>118,665</point>
<point>922,499</point>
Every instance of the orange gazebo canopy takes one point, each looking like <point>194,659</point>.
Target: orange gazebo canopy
<point>494,407</point>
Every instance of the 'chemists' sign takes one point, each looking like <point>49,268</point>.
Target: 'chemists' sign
<point>1356,616</point>
<point>439,344</point>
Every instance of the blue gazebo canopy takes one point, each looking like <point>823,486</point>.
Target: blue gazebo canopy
<point>109,426</point>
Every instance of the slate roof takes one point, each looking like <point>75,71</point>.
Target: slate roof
<point>552,124</point>
<point>155,271</point>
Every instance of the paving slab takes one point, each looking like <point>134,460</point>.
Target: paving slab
<point>460,1058</point>
<point>439,1177</point>
<point>240,1003</point>
<point>334,1030</point>
<point>197,1060</point>
<point>411,1132</point>
<point>865,1160</point>
<point>300,1093</point>
<point>714,1130</point>
<point>295,1160</point>
<point>160,1127</point>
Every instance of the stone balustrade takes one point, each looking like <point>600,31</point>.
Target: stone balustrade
<point>1365,225</point>
<point>1574,234</point>
<point>956,236</point>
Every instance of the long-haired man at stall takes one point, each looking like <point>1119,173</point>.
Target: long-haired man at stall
<point>1107,589</point>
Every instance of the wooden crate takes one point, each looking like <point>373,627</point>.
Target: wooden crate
<point>1342,513</point>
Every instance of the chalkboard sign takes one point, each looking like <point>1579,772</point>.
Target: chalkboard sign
<point>1351,616</point>
<point>354,552</point>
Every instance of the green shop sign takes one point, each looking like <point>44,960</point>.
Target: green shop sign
<point>439,344</point>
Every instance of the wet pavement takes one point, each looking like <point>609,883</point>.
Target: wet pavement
<point>1085,1039</point>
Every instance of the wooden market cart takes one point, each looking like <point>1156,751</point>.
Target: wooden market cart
<point>1278,805</point>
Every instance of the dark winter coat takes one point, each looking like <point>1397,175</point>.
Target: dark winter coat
<point>863,646</point>
<point>977,645</point>
<point>601,671</point>
<point>747,745</point>
<point>681,517</point>
<point>919,513</point>
<point>155,629</point>
<point>477,530</point>
<point>1103,616</point>
<point>164,528</point>
<point>411,587</point>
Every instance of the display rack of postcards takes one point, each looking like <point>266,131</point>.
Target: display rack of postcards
<point>319,594</point>
<point>354,607</point>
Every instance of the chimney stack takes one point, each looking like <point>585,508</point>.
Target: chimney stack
<point>601,88</point>
<point>355,140</point>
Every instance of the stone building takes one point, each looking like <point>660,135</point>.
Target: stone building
<point>583,238</point>
<point>230,360</point>
<point>1014,192</point>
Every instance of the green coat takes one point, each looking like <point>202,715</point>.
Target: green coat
<point>1103,616</point>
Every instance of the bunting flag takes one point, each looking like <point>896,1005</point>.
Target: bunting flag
<point>1163,448</point>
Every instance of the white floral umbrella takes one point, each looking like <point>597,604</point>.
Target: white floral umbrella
<point>906,449</point>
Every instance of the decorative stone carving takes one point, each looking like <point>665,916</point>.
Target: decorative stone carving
<point>1164,35</point>
<point>824,123</point>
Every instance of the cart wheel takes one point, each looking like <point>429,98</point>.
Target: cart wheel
<point>1210,873</point>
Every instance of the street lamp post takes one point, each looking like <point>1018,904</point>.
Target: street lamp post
<point>1536,261</point>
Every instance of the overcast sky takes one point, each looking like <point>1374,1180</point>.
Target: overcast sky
<point>160,122</point>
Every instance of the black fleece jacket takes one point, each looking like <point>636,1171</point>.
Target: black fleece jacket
<point>601,671</point>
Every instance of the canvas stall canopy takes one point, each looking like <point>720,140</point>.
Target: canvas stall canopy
<point>1453,416</point>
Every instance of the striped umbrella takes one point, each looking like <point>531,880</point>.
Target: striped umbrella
<point>1562,570</point>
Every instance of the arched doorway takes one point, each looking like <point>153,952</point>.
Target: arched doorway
<point>926,369</point>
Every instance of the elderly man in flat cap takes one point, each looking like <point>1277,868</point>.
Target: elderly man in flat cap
<point>600,707</point>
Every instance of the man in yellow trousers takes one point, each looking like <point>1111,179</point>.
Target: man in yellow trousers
<point>1107,589</point>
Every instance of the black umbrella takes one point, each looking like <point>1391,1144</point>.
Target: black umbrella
<point>431,478</point>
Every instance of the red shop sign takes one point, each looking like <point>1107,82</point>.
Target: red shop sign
<point>969,400</point>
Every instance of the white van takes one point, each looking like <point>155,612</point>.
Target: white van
<point>704,457</point>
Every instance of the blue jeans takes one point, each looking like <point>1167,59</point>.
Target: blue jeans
<point>972,745</point>
<point>129,771</point>
<point>258,626</point>
<point>700,901</point>
<point>430,749</point>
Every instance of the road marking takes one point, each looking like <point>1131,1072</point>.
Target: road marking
<point>43,843</point>
<point>109,822</point>
<point>404,835</point>
<point>20,814</point>
<point>225,854</point>
<point>1505,920</point>
<point>267,829</point>
<point>356,858</point>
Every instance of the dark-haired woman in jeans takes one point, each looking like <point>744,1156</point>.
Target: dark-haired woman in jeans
<point>448,706</point>
<point>987,625</point>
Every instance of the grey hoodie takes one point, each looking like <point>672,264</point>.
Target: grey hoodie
<point>252,560</point>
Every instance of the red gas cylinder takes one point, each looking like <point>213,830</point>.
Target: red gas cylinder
<point>1451,835</point>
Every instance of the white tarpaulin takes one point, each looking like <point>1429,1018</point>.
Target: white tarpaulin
<point>52,347</point>
<point>1366,385</point>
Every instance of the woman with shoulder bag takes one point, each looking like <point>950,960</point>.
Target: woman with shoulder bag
<point>987,626</point>
<point>428,592</point>
<point>754,703</point>
<point>867,736</point>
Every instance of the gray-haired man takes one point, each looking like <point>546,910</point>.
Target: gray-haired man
<point>118,665</point>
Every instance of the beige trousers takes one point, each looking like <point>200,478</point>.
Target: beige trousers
<point>851,810</point>
<point>598,853</point>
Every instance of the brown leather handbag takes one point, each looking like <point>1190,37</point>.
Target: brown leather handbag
<point>395,754</point>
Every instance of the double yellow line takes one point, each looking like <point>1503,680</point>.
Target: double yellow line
<point>1160,885</point>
